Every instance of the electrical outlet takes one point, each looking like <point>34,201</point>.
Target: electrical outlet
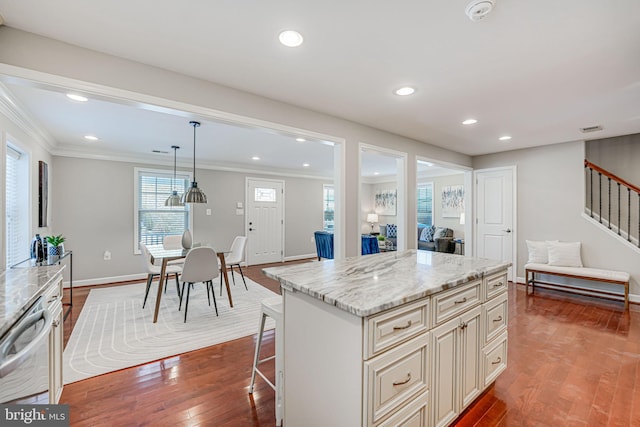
<point>107,256</point>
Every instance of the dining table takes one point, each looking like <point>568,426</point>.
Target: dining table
<point>158,252</point>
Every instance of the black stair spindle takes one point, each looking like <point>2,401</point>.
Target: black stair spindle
<point>619,209</point>
<point>600,196</point>
<point>591,189</point>
<point>628,214</point>
<point>609,195</point>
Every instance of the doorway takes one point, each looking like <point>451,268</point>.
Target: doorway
<point>264,221</point>
<point>495,215</point>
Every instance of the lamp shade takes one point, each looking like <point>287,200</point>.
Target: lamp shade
<point>194,194</point>
<point>462,218</point>
<point>174,199</point>
<point>372,217</point>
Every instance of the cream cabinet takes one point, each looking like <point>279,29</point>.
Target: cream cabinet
<point>456,369</point>
<point>53,299</point>
<point>415,365</point>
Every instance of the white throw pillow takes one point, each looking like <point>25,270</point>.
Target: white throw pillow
<point>565,254</point>
<point>538,252</point>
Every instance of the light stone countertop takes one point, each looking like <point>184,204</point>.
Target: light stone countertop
<point>370,284</point>
<point>20,288</point>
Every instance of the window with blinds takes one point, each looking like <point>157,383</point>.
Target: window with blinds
<point>17,206</point>
<point>329,204</point>
<point>154,220</point>
<point>425,203</point>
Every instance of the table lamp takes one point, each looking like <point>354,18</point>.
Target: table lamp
<point>372,218</point>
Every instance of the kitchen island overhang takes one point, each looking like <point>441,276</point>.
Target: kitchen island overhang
<point>384,338</point>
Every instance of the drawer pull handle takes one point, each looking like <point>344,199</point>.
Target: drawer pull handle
<point>53,298</point>
<point>56,323</point>
<point>405,381</point>
<point>498,285</point>
<point>499,319</point>
<point>497,361</point>
<point>463,325</point>
<point>399,328</point>
<point>460,301</point>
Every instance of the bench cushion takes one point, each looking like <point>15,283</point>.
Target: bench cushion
<point>594,273</point>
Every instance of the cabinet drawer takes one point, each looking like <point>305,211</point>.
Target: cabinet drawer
<point>495,359</point>
<point>395,377</point>
<point>495,317</point>
<point>387,329</point>
<point>415,414</point>
<point>449,304</point>
<point>495,285</point>
<point>53,293</point>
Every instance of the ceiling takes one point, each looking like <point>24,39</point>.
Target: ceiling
<point>535,70</point>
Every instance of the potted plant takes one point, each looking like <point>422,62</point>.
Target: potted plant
<point>55,244</point>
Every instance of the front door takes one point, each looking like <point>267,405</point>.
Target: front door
<point>264,221</point>
<point>495,215</point>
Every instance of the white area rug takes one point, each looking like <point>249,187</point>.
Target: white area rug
<point>114,332</point>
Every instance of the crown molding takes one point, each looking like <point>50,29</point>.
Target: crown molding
<point>167,160</point>
<point>20,116</point>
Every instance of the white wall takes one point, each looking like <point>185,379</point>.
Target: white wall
<point>96,214</point>
<point>9,130</point>
<point>438,219</point>
<point>550,186</point>
<point>27,55</point>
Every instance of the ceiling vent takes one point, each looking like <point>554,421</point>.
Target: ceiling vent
<point>159,152</point>
<point>478,9</point>
<point>591,129</point>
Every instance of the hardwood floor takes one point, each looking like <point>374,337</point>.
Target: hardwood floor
<point>572,361</point>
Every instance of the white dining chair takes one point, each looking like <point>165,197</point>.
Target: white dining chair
<point>235,257</point>
<point>172,242</point>
<point>200,265</point>
<point>154,270</point>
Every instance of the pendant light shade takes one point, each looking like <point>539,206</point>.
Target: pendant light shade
<point>194,194</point>
<point>174,199</point>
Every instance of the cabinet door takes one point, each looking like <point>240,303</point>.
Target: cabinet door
<point>56,340</point>
<point>444,344</point>
<point>471,341</point>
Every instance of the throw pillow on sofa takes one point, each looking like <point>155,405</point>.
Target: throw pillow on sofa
<point>392,230</point>
<point>440,233</point>
<point>427,233</point>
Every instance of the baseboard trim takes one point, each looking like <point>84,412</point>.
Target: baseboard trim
<point>298,257</point>
<point>106,280</point>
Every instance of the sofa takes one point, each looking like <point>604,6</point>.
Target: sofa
<point>436,239</point>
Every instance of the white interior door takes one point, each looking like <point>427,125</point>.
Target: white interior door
<point>265,221</point>
<point>495,228</point>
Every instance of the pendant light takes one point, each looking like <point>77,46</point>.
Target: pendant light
<point>194,194</point>
<point>174,199</point>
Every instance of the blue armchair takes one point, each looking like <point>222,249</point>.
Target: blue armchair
<point>324,244</point>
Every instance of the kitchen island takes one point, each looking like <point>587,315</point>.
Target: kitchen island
<point>399,338</point>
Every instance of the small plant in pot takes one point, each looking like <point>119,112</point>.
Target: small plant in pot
<point>55,244</point>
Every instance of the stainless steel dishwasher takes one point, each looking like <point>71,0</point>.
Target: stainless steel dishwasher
<point>24,356</point>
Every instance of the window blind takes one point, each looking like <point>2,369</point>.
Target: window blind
<point>425,203</point>
<point>17,206</point>
<point>155,220</point>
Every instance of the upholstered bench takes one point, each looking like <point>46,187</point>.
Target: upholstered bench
<point>595,274</point>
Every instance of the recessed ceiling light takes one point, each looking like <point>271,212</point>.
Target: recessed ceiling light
<point>290,38</point>
<point>470,122</point>
<point>255,158</point>
<point>77,97</point>
<point>376,173</point>
<point>306,165</point>
<point>300,139</point>
<point>91,137</point>
<point>504,138</point>
<point>405,91</point>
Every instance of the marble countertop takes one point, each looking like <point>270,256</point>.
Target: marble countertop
<point>19,289</point>
<point>373,283</point>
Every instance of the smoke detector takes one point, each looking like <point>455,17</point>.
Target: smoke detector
<point>478,9</point>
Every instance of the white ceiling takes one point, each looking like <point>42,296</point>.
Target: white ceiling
<point>536,70</point>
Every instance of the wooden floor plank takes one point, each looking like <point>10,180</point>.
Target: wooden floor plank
<point>573,361</point>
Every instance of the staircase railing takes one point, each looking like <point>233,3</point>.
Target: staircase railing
<point>618,214</point>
